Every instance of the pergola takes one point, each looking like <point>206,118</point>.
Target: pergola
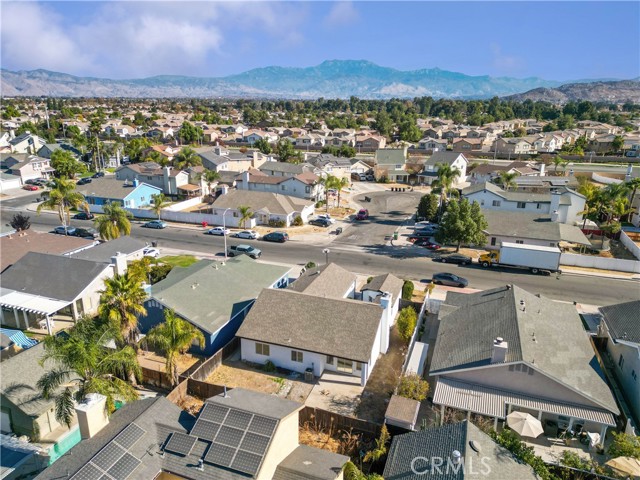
<point>28,303</point>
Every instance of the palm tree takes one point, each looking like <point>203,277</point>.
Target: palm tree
<point>174,337</point>
<point>446,178</point>
<point>121,303</point>
<point>245,214</point>
<point>507,180</point>
<point>329,182</point>
<point>593,200</point>
<point>114,222</point>
<point>187,157</point>
<point>82,364</point>
<point>63,197</point>
<point>159,202</point>
<point>341,184</point>
<point>558,161</point>
<point>210,177</point>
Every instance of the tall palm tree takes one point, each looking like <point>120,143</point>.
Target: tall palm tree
<point>114,222</point>
<point>245,214</point>
<point>187,157</point>
<point>63,197</point>
<point>82,364</point>
<point>174,337</point>
<point>507,180</point>
<point>329,182</point>
<point>121,303</point>
<point>159,202</point>
<point>341,184</point>
<point>446,178</point>
<point>210,177</point>
<point>633,185</point>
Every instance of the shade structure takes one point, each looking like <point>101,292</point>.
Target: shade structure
<point>524,424</point>
<point>625,466</point>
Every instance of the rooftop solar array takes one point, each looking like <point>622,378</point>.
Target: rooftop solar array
<point>239,439</point>
<point>113,461</point>
<point>180,443</point>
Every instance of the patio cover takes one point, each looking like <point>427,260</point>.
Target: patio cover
<point>30,303</point>
<point>189,187</point>
<point>492,402</point>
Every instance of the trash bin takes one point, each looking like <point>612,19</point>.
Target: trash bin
<point>338,230</point>
<point>154,244</point>
<point>395,235</point>
<point>308,375</point>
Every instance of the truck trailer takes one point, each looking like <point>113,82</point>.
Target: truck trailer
<point>539,260</point>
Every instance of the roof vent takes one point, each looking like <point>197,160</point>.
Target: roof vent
<point>194,286</point>
<point>508,287</point>
<point>200,465</point>
<point>475,446</point>
<point>456,456</point>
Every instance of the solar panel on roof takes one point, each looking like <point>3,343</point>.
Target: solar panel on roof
<point>255,443</point>
<point>229,436</point>
<point>262,425</point>
<point>205,430</point>
<point>220,455</point>
<point>238,419</point>
<point>88,472</point>
<point>246,462</point>
<point>180,443</point>
<point>105,477</point>
<point>108,456</point>
<point>124,467</point>
<point>129,436</point>
<point>214,413</point>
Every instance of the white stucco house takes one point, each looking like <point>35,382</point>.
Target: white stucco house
<point>453,159</point>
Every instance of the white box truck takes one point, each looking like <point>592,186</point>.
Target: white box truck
<point>543,260</point>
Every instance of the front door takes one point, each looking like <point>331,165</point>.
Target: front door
<point>345,366</point>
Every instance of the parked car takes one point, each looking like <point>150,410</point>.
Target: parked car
<point>449,279</point>
<point>234,250</point>
<point>219,231</point>
<point>320,222</point>
<point>84,216</point>
<point>31,188</point>
<point>249,234</point>
<point>362,214</point>
<point>370,178</point>
<point>362,177</point>
<point>426,243</point>
<point>31,181</point>
<point>425,224</point>
<point>86,233</point>
<point>327,217</point>
<point>420,235</point>
<point>453,258</point>
<point>332,191</point>
<point>151,252</point>
<point>84,181</point>
<point>155,224</point>
<point>40,182</point>
<point>62,230</point>
<point>280,237</point>
<point>97,175</point>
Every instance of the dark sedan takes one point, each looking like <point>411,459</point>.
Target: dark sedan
<point>84,216</point>
<point>454,258</point>
<point>426,243</point>
<point>320,222</point>
<point>280,237</point>
<point>449,279</point>
<point>84,181</point>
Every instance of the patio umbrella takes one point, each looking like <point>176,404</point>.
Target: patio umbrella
<point>524,424</point>
<point>625,466</point>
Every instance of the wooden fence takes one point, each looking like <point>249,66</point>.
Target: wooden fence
<point>157,378</point>
<point>207,367</point>
<point>334,421</point>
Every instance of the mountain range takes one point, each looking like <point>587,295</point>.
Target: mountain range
<point>330,79</point>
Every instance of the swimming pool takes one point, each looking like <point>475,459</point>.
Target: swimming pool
<point>65,444</point>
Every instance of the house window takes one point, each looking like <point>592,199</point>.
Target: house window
<point>482,202</point>
<point>307,189</point>
<point>262,349</point>
<point>330,360</point>
<point>493,241</point>
<point>345,365</point>
<point>538,206</point>
<point>359,366</point>
<point>552,244</point>
<point>521,205</point>
<point>621,361</point>
<point>398,166</point>
<point>296,356</point>
<point>495,203</point>
<point>520,242</point>
<point>284,187</point>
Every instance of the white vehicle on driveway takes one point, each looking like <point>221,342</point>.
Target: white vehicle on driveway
<point>327,217</point>
<point>151,252</point>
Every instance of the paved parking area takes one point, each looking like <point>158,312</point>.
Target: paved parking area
<point>336,392</point>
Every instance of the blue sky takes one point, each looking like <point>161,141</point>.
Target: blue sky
<point>125,39</point>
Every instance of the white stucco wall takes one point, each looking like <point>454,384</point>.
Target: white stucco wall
<point>630,365</point>
<point>285,440</point>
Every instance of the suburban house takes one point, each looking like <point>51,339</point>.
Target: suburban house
<point>105,190</point>
<point>254,136</point>
<point>26,166</point>
<point>384,285</point>
<point>454,451</point>
<point>128,247</point>
<point>29,299</point>
<point>329,280</point>
<point>238,435</point>
<point>453,159</point>
<point>563,205</point>
<point>358,166</point>
<point>513,146</point>
<point>161,132</point>
<point>529,229</point>
<point>543,183</point>
<point>266,206</point>
<point>284,169</point>
<point>26,143</point>
<point>304,185</point>
<point>370,142</point>
<point>503,350</point>
<point>219,159</point>
<point>620,326</point>
<point>171,181</point>
<point>214,297</point>
<point>391,163</point>
<point>48,148</point>
<point>9,181</point>
<point>468,144</point>
<point>486,172</point>
<point>326,164</point>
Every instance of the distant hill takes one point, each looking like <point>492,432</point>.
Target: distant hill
<point>330,79</point>
<point>619,91</point>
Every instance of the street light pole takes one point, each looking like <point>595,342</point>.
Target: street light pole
<point>224,232</point>
<point>326,254</point>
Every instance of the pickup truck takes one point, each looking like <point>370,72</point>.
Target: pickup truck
<point>253,252</point>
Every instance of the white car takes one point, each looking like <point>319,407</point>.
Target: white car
<point>151,252</point>
<point>327,217</point>
<point>219,231</point>
<point>250,234</point>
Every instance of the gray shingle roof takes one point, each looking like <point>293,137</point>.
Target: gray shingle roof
<point>443,157</point>
<point>402,409</point>
<point>109,187</point>
<point>391,156</point>
<point>385,283</point>
<point>308,463</point>
<point>255,402</point>
<point>274,203</point>
<point>512,196</point>
<point>209,294</point>
<point>536,336</point>
<point>103,252</point>
<point>284,167</point>
<point>329,280</point>
<point>73,275</point>
<point>439,443</point>
<point>341,328</point>
<point>623,320</point>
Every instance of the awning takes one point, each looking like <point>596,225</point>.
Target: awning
<point>189,188</point>
<point>31,303</point>
<point>493,402</point>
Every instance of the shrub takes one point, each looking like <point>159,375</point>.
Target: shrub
<point>20,222</point>
<point>297,222</point>
<point>625,445</point>
<point>407,323</point>
<point>319,203</point>
<point>407,290</point>
<point>310,265</point>
<point>369,279</point>
<point>269,366</point>
<point>159,272</point>
<point>277,223</point>
<point>413,386</point>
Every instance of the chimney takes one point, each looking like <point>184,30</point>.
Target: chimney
<point>542,169</point>
<point>135,182</point>
<point>627,176</point>
<point>92,415</point>
<point>119,261</point>
<point>217,149</point>
<point>499,350</point>
<point>555,201</point>
<point>244,185</point>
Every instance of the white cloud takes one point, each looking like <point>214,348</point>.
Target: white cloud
<point>504,62</point>
<point>341,13</point>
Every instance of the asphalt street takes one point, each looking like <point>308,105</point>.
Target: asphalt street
<point>362,249</point>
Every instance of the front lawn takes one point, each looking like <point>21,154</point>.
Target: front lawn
<point>178,260</point>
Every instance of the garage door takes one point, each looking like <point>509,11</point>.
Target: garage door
<point>5,422</point>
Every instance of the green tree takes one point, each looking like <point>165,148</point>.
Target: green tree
<point>62,197</point>
<point>409,131</point>
<point>407,320</point>
<point>340,185</point>
<point>245,214</point>
<point>135,147</point>
<point>428,207</point>
<point>507,180</point>
<point>174,337</point>
<point>10,112</point>
<point>625,445</point>
<point>351,472</point>
<point>66,165</point>
<point>462,223</point>
<point>187,157</point>
<point>189,133</point>
<point>381,447</point>
<point>83,364</point>
<point>286,151</point>
<point>618,143</point>
<point>210,177</point>
<point>447,176</point>
<point>407,290</point>
<point>121,303</point>
<point>114,222</point>
<point>20,222</point>
<point>263,146</point>
<point>384,124</point>
<point>159,202</point>
<point>413,386</point>
<point>329,182</point>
